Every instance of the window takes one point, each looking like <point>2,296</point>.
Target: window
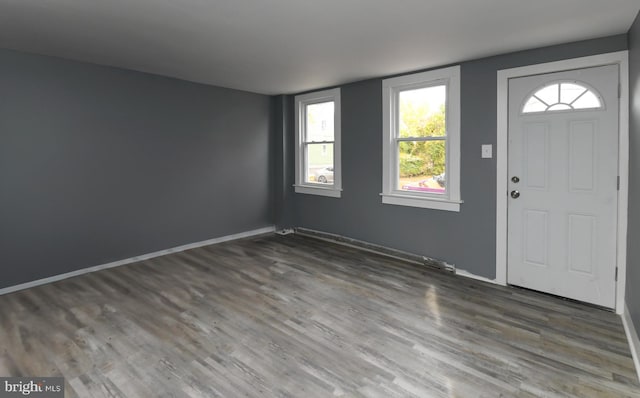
<point>318,143</point>
<point>563,96</point>
<point>421,147</point>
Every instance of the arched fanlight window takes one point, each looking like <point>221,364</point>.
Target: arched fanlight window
<point>562,96</point>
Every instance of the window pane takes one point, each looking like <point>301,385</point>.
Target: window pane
<point>560,107</point>
<point>549,94</point>
<point>562,97</point>
<point>422,112</point>
<point>534,105</point>
<point>587,101</point>
<point>422,166</point>
<point>320,122</point>
<point>319,168</point>
<point>570,91</point>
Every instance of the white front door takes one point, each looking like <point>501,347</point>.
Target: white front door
<point>563,168</point>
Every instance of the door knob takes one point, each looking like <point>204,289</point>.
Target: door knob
<point>515,194</point>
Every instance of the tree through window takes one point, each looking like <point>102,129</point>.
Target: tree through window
<point>421,146</point>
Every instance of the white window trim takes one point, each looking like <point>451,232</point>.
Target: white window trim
<point>390,90</point>
<point>334,190</point>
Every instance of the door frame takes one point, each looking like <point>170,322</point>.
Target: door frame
<point>620,58</point>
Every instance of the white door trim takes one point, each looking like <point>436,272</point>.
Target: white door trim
<point>622,59</point>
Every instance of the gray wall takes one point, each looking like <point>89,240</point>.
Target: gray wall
<point>99,164</point>
<point>467,238</point>
<point>633,248</point>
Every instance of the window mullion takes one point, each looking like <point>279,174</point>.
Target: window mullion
<point>421,139</point>
<point>318,142</point>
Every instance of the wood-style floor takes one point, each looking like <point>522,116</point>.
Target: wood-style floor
<point>292,316</point>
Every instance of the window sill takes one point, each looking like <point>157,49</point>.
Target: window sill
<point>420,201</point>
<point>318,190</point>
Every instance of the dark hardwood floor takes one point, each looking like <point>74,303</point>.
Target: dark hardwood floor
<point>291,316</point>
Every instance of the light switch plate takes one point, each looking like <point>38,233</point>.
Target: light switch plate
<point>487,151</point>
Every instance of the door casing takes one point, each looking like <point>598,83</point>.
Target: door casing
<point>621,58</point>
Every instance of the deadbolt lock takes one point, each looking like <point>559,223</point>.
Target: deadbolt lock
<point>515,179</point>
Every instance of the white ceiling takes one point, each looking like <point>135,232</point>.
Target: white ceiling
<point>288,46</point>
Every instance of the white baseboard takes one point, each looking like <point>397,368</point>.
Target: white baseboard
<point>632,336</point>
<point>466,274</point>
<point>142,257</point>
